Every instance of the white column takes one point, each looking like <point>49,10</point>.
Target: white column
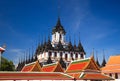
<point>84,56</point>
<point>73,55</point>
<point>58,55</point>
<point>78,55</point>
<point>68,54</point>
<point>52,54</point>
<point>63,55</point>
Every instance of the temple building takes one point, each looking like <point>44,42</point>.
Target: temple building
<point>112,68</point>
<point>59,48</point>
<point>78,70</point>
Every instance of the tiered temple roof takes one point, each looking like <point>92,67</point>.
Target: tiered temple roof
<point>113,65</point>
<point>81,65</point>
<point>34,66</point>
<point>85,69</point>
<point>54,67</point>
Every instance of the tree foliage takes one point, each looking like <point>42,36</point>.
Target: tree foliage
<point>6,65</point>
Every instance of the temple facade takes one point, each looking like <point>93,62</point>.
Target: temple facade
<point>58,48</point>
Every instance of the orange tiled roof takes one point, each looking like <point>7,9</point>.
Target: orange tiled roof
<point>48,67</point>
<point>95,76</point>
<point>113,65</point>
<point>114,60</point>
<point>28,67</point>
<point>77,66</point>
<point>34,76</point>
<point>31,67</point>
<point>54,67</point>
<point>82,65</point>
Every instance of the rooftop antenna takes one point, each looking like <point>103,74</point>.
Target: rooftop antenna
<point>58,7</point>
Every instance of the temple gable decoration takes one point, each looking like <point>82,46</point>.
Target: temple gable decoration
<point>31,67</point>
<point>82,65</point>
<point>54,67</point>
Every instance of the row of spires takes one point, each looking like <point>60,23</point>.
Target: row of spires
<point>30,59</point>
<point>103,61</point>
<point>46,46</point>
<point>22,63</point>
<point>27,59</point>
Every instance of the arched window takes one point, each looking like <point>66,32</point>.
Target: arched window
<point>76,55</point>
<point>71,54</point>
<point>81,55</point>
<point>55,54</point>
<point>60,54</point>
<point>110,74</point>
<point>66,56</point>
<point>116,76</point>
<point>50,53</point>
<point>60,36</point>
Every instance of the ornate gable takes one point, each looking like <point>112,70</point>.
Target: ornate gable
<point>92,65</point>
<point>82,65</point>
<point>34,66</point>
<point>77,66</point>
<point>54,67</point>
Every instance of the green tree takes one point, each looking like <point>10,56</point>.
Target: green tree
<point>6,65</point>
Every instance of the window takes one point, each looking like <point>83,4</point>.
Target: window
<point>110,74</point>
<point>76,55</point>
<point>60,54</point>
<point>66,57</point>
<point>116,76</point>
<point>81,55</point>
<point>55,54</point>
<point>60,36</point>
<point>71,54</point>
<point>50,53</point>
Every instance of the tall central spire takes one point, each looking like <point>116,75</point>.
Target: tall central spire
<point>58,22</point>
<point>58,28</point>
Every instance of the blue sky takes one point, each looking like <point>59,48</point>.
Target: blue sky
<point>24,22</point>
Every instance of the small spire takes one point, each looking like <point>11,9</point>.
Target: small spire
<point>104,61</point>
<point>49,61</point>
<point>29,56</point>
<point>97,60</point>
<point>93,53</point>
<point>58,22</point>
<point>26,61</point>
<point>69,38</point>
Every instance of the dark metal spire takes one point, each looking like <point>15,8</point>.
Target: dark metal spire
<point>97,60</point>
<point>58,28</point>
<point>80,47</point>
<point>104,61</point>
